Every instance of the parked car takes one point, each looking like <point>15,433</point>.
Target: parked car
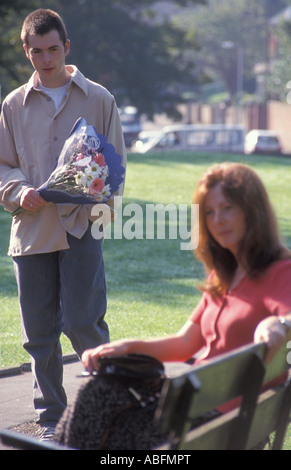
<point>146,140</point>
<point>214,137</point>
<point>263,142</point>
<point>130,122</point>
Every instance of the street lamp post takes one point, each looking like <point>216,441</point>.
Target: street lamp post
<point>239,77</point>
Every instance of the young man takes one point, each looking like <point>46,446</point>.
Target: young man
<point>58,264</point>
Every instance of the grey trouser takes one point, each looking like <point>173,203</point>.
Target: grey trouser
<point>63,291</point>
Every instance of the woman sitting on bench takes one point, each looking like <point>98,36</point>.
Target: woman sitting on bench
<point>247,295</point>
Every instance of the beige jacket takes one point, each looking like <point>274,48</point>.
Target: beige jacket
<point>32,134</point>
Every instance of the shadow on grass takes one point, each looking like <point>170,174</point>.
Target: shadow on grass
<point>199,158</point>
<point>151,269</point>
<point>8,284</point>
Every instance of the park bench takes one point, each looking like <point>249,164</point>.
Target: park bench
<point>202,388</point>
<point>241,373</point>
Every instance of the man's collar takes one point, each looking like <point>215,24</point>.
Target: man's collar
<point>76,77</point>
<point>31,84</point>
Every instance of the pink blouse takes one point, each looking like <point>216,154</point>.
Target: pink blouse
<point>230,321</point>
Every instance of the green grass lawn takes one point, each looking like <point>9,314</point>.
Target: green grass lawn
<point>152,284</point>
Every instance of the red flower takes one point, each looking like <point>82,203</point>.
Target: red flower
<point>99,158</point>
<point>96,186</point>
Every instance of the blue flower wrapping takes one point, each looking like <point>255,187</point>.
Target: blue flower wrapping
<point>88,171</point>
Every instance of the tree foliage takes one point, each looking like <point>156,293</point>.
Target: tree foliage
<point>145,55</point>
<point>225,27</point>
<point>279,80</point>
<point>124,45</point>
<point>12,62</point>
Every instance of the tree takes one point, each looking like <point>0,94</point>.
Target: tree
<point>226,30</point>
<point>123,45</point>
<point>278,83</point>
<point>12,62</point>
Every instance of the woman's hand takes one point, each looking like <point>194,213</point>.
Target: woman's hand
<point>273,333</point>
<point>178,347</point>
<point>90,357</point>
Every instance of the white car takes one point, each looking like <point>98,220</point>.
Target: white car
<point>192,137</point>
<point>146,141</point>
<point>261,141</point>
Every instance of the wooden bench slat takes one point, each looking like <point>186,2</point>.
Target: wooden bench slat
<point>212,435</point>
<point>230,369</point>
<point>270,415</point>
<point>240,373</point>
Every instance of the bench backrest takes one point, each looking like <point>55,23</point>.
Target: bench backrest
<point>240,373</point>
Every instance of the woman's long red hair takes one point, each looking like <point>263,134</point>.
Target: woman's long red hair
<point>261,245</point>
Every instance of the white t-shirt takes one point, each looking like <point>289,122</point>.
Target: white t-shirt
<point>56,94</point>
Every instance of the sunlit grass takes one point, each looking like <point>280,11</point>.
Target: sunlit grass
<point>152,284</point>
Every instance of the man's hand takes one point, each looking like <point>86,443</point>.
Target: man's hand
<point>31,200</point>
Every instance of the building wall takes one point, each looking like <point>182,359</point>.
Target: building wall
<point>274,116</point>
<point>279,120</point>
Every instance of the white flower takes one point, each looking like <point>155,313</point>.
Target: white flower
<point>81,179</point>
<point>106,191</point>
<point>93,172</point>
<point>83,161</point>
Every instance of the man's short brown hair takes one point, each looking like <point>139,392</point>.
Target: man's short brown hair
<point>41,22</point>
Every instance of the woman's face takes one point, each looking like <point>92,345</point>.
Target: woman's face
<point>225,220</point>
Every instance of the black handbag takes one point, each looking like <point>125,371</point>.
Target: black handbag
<point>131,365</point>
<point>115,408</point>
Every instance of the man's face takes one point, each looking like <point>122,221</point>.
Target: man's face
<point>47,55</point>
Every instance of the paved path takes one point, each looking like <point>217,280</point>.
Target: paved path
<point>16,405</point>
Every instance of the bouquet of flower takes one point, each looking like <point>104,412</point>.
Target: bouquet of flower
<point>88,170</point>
